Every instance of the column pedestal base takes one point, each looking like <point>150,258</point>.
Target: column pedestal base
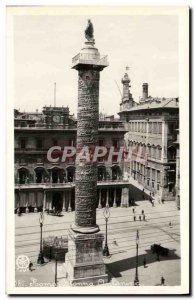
<point>84,263</point>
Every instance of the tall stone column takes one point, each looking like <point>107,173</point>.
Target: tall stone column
<point>114,204</point>
<point>107,197</point>
<point>50,200</point>
<point>69,201</point>
<point>84,261</point>
<point>64,201</point>
<point>27,204</point>
<point>35,209</point>
<point>100,198</point>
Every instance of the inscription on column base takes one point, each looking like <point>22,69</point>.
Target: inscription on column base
<point>84,263</point>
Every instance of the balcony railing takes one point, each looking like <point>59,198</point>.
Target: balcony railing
<point>67,184</point>
<point>90,59</point>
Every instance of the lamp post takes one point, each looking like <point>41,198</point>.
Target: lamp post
<point>136,280</point>
<point>40,259</point>
<point>57,245</point>
<point>56,268</point>
<point>106,216</point>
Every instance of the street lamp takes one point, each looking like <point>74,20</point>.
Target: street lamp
<point>136,280</point>
<point>40,259</point>
<point>56,268</point>
<point>57,245</point>
<point>106,216</point>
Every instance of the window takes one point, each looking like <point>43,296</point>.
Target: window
<point>148,172</point>
<point>101,142</point>
<point>159,151</point>
<point>115,143</point>
<point>135,126</point>
<point>159,127</point>
<point>138,126</point>
<point>39,143</point>
<point>158,187</point>
<point>144,127</point>
<point>155,127</point>
<point>141,127</point>
<point>153,174</point>
<point>149,151</point>
<point>55,142</point>
<point>158,176</point>
<point>71,142</point>
<point>150,127</point>
<point>154,152</point>
<point>153,184</point>
<point>23,143</point>
<point>148,182</point>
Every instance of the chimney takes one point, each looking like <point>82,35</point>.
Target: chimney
<point>144,91</point>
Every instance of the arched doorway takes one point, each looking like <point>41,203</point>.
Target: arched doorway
<point>70,173</point>
<point>40,174</point>
<point>101,173</point>
<point>56,175</point>
<point>23,174</point>
<point>115,172</point>
<point>57,201</point>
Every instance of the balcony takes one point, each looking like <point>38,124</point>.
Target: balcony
<point>90,59</point>
<point>67,185</point>
<point>45,185</point>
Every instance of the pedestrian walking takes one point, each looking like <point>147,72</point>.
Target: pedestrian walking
<point>133,210</point>
<point>144,217</point>
<point>170,225</point>
<point>30,266</point>
<point>144,262</point>
<point>162,281</point>
<point>142,211</point>
<point>140,217</point>
<point>134,218</point>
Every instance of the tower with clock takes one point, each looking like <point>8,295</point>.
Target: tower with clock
<point>56,116</point>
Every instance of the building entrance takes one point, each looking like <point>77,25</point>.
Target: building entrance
<point>57,201</point>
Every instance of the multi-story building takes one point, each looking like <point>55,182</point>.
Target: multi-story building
<point>151,126</point>
<point>177,183</point>
<point>41,183</point>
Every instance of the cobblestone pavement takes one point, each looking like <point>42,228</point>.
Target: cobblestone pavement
<point>121,241</point>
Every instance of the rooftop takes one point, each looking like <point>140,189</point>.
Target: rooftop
<point>154,103</point>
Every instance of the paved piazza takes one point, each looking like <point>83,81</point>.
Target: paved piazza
<point>121,241</point>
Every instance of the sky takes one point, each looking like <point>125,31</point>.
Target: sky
<point>45,45</point>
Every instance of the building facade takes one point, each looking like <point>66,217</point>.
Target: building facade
<point>41,183</point>
<point>177,184</point>
<point>151,126</point>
